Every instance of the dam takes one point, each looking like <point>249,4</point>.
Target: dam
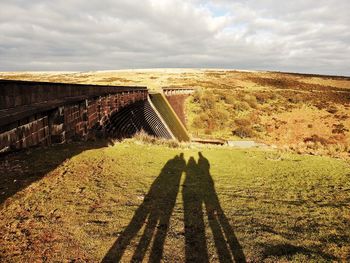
<point>45,113</point>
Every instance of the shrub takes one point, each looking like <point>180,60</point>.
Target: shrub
<point>230,99</point>
<point>321,105</point>
<point>241,106</point>
<point>221,95</point>
<point>207,101</point>
<point>251,100</point>
<point>262,97</point>
<point>339,128</point>
<point>200,121</point>
<point>242,122</point>
<point>207,132</point>
<point>211,119</point>
<point>220,117</point>
<point>316,139</point>
<point>258,128</point>
<point>332,109</point>
<point>296,99</point>
<point>243,132</point>
<point>243,128</point>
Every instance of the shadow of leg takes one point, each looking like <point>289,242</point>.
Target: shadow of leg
<point>116,252</point>
<point>145,239</point>
<point>158,244</point>
<point>233,242</point>
<point>157,206</point>
<point>219,239</point>
<point>195,239</point>
<point>218,222</point>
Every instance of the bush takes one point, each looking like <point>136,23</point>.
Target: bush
<point>221,95</point>
<point>243,128</point>
<point>332,109</point>
<point>251,100</point>
<point>263,96</point>
<point>196,96</point>
<point>316,139</point>
<point>241,106</point>
<point>207,132</point>
<point>200,121</point>
<point>207,101</point>
<point>297,98</point>
<point>220,117</point>
<point>242,122</point>
<point>339,128</point>
<point>230,99</point>
<point>258,128</point>
<point>243,132</point>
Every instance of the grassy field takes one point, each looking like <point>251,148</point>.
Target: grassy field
<point>89,202</point>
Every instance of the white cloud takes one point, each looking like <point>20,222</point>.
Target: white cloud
<point>300,35</point>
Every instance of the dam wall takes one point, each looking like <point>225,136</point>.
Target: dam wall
<point>42,113</point>
<point>177,96</point>
<point>169,116</point>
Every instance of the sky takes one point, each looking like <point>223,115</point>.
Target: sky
<point>77,35</point>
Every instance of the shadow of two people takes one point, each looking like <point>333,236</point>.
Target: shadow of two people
<point>155,212</point>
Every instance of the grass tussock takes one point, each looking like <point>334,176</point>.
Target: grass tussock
<point>143,137</point>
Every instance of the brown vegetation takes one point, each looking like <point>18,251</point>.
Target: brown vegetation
<point>283,108</point>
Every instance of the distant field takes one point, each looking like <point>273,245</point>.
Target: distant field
<point>303,113</point>
<point>81,197</point>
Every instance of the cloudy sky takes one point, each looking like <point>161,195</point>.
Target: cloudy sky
<point>299,35</point>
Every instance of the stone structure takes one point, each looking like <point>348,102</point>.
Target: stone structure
<point>41,113</point>
<point>169,91</point>
<point>176,98</point>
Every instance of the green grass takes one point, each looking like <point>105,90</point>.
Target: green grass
<point>169,116</point>
<point>272,207</point>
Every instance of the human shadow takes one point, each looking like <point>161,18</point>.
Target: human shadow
<point>153,214</point>
<point>199,190</point>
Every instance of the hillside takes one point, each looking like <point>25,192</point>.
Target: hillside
<point>150,199</point>
<point>304,113</point>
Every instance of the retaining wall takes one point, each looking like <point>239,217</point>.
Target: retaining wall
<point>41,113</point>
<point>177,97</point>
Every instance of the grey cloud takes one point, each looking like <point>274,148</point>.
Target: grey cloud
<point>305,36</point>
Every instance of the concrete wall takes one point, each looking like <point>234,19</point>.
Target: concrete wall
<point>37,113</point>
<point>177,102</point>
<point>176,98</point>
<point>170,117</point>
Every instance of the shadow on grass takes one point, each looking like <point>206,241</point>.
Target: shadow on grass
<point>154,215</point>
<point>199,190</point>
<point>20,169</point>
